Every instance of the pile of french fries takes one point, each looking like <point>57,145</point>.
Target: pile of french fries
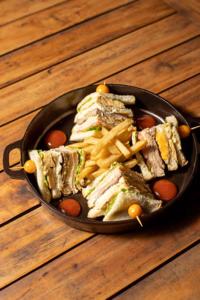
<point>106,147</point>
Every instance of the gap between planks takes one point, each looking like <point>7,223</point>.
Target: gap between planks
<point>32,11</point>
<point>160,268</point>
<point>18,70</point>
<point>62,28</point>
<point>113,73</point>
<point>180,235</point>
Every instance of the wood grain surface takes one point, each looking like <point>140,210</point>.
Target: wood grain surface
<point>126,257</point>
<point>81,70</point>
<point>173,66</point>
<point>34,27</point>
<point>47,48</point>
<point>15,198</point>
<point>186,96</point>
<point>177,280</point>
<point>10,10</point>
<point>72,42</point>
<point>32,240</point>
<point>189,8</point>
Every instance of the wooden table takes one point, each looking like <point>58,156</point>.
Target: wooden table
<point>48,48</point>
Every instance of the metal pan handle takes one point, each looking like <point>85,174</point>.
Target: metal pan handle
<point>16,174</point>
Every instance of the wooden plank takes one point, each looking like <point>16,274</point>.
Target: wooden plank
<point>15,198</point>
<point>47,22</point>
<point>172,66</point>
<point>177,280</point>
<point>190,9</point>
<point>112,262</point>
<point>42,236</point>
<point>132,48</point>
<point>186,96</point>
<point>164,70</point>
<point>10,10</point>
<point>14,66</point>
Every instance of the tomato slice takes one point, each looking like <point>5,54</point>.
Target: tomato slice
<point>165,189</point>
<point>146,121</point>
<point>55,138</point>
<point>71,207</point>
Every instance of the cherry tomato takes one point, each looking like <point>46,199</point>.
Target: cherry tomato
<point>29,166</point>
<point>102,88</point>
<point>165,189</point>
<point>70,207</point>
<point>184,131</point>
<point>146,121</point>
<point>134,211</point>
<point>55,138</point>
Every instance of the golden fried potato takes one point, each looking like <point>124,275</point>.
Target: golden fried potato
<point>88,149</point>
<point>130,163</point>
<point>101,155</point>
<point>114,132</point>
<point>104,131</point>
<point>92,140</point>
<point>123,149</point>
<point>90,163</point>
<point>78,145</point>
<point>98,172</point>
<point>87,171</point>
<point>105,163</point>
<point>113,149</point>
<point>138,146</point>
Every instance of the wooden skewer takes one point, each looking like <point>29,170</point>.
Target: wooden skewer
<point>18,168</point>
<point>139,221</point>
<point>196,127</point>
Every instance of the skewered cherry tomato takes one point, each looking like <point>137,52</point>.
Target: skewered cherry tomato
<point>165,189</point>
<point>146,121</point>
<point>184,131</point>
<point>102,88</point>
<point>70,207</point>
<point>29,166</point>
<point>55,138</point>
<point>134,211</point>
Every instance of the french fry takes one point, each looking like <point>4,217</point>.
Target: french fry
<point>104,131</point>
<point>98,172</point>
<point>113,149</point>
<point>114,132</point>
<point>78,145</point>
<point>97,134</point>
<point>132,128</point>
<point>86,172</point>
<point>123,149</point>
<point>130,163</point>
<point>101,155</point>
<point>90,163</point>
<point>88,149</point>
<point>105,163</point>
<point>91,140</point>
<point>138,146</point>
<point>125,136</point>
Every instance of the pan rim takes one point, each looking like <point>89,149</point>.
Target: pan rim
<point>122,222</point>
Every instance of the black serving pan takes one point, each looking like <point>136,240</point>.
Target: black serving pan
<point>60,113</point>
